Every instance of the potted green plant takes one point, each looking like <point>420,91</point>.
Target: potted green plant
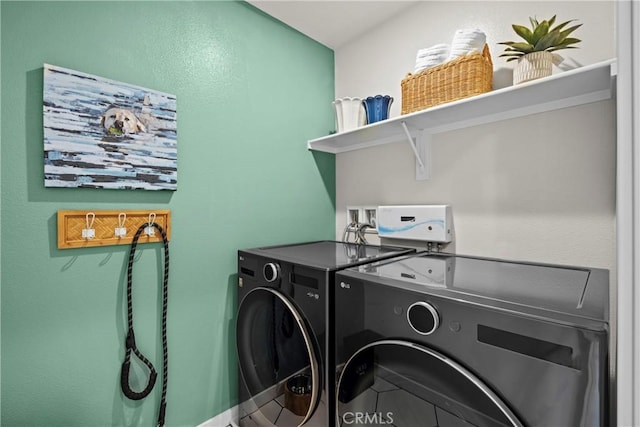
<point>535,54</point>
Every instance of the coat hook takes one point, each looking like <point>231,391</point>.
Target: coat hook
<point>150,230</point>
<point>121,230</point>
<point>89,232</point>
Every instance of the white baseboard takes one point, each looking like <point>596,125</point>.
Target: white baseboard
<point>229,417</point>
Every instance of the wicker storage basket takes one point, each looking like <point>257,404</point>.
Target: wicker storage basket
<point>465,76</point>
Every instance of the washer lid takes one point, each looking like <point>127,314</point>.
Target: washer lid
<point>330,255</point>
<point>561,289</point>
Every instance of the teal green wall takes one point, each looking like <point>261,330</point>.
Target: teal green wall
<point>250,93</point>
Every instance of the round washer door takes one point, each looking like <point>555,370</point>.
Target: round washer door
<point>403,384</point>
<point>275,344</point>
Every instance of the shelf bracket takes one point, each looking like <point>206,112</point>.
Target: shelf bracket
<point>421,147</point>
<point>411,142</point>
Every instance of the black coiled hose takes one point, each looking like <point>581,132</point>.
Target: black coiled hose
<point>130,342</point>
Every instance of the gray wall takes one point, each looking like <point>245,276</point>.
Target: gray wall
<point>539,188</point>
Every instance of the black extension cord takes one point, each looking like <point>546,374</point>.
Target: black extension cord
<point>130,342</point>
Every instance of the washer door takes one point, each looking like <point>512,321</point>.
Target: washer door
<point>404,384</point>
<point>275,344</point>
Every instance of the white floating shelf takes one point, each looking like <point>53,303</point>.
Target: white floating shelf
<point>567,89</point>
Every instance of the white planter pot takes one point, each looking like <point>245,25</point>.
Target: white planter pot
<point>533,66</point>
<point>350,114</point>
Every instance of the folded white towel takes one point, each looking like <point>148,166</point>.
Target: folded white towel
<point>437,49</point>
<point>466,41</point>
<point>430,57</point>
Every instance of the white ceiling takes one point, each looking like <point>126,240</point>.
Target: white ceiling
<point>332,23</point>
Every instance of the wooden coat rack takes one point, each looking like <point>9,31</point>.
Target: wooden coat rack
<point>86,228</point>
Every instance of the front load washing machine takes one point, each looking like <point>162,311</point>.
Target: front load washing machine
<point>443,340</point>
<point>284,336</point>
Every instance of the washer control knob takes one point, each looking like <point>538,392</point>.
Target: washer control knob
<point>271,272</point>
<point>423,318</point>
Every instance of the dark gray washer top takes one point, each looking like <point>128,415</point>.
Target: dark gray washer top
<point>517,286</point>
<point>329,255</point>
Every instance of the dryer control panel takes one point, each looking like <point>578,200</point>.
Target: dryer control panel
<point>271,272</point>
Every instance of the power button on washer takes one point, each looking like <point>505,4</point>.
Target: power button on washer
<point>455,326</point>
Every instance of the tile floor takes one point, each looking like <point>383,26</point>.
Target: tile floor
<point>275,413</point>
<point>380,403</point>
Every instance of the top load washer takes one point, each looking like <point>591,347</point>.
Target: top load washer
<point>444,340</point>
<point>284,329</point>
